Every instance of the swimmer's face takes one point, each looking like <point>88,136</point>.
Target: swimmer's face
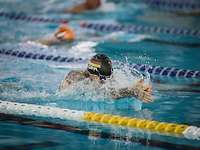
<point>96,78</point>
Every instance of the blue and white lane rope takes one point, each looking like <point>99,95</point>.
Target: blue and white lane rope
<point>166,71</point>
<point>28,18</point>
<point>175,5</point>
<point>37,56</point>
<point>107,27</point>
<point>140,28</point>
<point>154,70</point>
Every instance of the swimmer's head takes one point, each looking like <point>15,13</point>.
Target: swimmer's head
<point>65,33</point>
<point>101,66</point>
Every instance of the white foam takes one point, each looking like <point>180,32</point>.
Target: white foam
<point>69,66</point>
<point>139,38</point>
<point>33,43</point>
<point>125,37</point>
<point>107,6</point>
<point>83,49</point>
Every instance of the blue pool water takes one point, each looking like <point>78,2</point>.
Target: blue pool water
<point>37,81</point>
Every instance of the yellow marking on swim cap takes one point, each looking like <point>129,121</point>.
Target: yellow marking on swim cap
<point>94,65</point>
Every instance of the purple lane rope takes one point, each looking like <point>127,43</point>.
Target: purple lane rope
<point>107,27</point>
<point>27,18</point>
<point>174,4</point>
<point>37,56</point>
<point>154,70</point>
<point>140,28</point>
<point>166,71</point>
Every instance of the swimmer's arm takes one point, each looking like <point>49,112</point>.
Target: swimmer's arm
<point>71,78</point>
<point>139,90</point>
<point>127,92</point>
<point>51,40</point>
<point>120,93</point>
<point>48,41</point>
<point>65,83</point>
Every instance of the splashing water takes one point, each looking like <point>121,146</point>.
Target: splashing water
<point>122,77</point>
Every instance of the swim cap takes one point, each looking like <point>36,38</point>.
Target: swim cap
<point>66,33</point>
<point>100,65</point>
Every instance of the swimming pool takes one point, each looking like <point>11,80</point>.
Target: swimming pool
<point>36,81</point>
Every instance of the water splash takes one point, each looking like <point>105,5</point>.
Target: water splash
<point>122,77</point>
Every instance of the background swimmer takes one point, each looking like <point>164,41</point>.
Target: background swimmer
<point>65,34</point>
<point>62,35</point>
<point>87,5</point>
<point>99,72</point>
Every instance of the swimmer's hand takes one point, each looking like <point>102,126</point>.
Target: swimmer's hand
<point>140,90</point>
<point>143,91</point>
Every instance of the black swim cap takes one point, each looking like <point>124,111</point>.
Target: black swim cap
<point>100,65</point>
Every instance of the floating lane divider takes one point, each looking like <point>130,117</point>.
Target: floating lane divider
<point>174,5</point>
<point>154,70</point>
<point>37,56</point>
<point>21,120</point>
<point>106,27</point>
<point>140,28</point>
<point>24,17</point>
<point>189,132</point>
<point>166,71</point>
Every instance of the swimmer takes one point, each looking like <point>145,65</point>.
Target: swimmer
<point>62,35</point>
<point>87,5</point>
<point>65,34</point>
<point>99,71</point>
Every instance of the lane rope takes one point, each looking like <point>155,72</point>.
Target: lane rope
<point>172,129</point>
<point>153,70</point>
<point>174,5</point>
<point>166,71</point>
<point>106,27</point>
<point>37,56</point>
<point>28,18</point>
<point>21,120</point>
<point>140,28</point>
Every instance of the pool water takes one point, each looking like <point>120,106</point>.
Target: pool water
<point>36,81</point>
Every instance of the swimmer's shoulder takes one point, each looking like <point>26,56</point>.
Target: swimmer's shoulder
<point>76,75</point>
